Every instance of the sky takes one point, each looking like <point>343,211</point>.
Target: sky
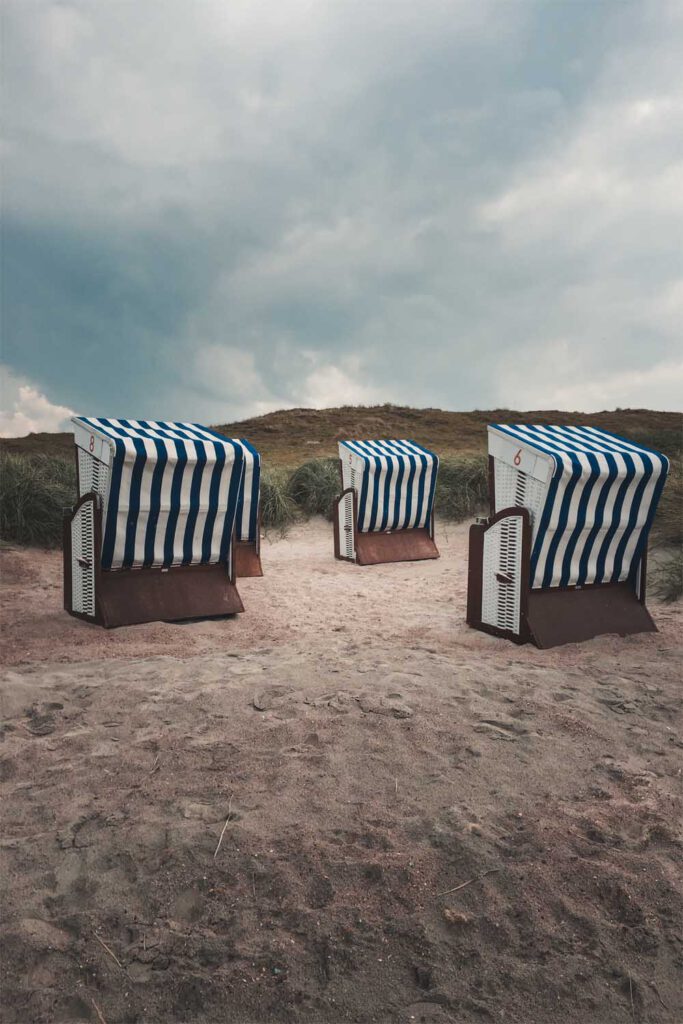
<point>213,210</point>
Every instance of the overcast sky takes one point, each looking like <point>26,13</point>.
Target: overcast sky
<point>215,209</point>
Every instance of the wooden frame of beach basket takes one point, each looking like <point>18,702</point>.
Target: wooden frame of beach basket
<point>374,547</point>
<point>247,553</point>
<point>500,598</point>
<point>129,596</point>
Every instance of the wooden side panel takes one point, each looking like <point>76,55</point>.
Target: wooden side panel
<point>641,578</point>
<point>492,485</point>
<point>246,559</point>
<point>475,565</point>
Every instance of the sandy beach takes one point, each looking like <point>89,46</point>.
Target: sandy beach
<point>342,805</point>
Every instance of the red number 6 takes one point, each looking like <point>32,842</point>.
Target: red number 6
<point>518,457</point>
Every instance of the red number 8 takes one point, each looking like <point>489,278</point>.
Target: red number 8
<point>518,457</point>
<point>92,442</point>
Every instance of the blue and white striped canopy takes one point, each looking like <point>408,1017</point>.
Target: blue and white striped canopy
<point>173,491</point>
<point>601,495</point>
<point>397,483</point>
<point>247,525</point>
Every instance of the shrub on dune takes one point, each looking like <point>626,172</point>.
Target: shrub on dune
<point>668,577</point>
<point>278,511</point>
<point>462,487</point>
<point>669,521</point>
<point>315,485</point>
<point>34,489</point>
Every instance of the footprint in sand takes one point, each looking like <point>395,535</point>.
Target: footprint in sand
<point>41,718</point>
<point>271,696</point>
<point>391,704</point>
<point>500,730</point>
<point>43,934</point>
<point>338,701</point>
<point>188,906</point>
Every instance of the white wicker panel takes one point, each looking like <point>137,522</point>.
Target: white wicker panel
<point>502,555</point>
<point>83,560</point>
<point>350,476</point>
<point>347,548</point>
<point>518,490</point>
<point>93,475</point>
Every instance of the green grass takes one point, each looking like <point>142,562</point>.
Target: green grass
<point>668,526</point>
<point>314,486</point>
<point>668,577</point>
<point>34,489</point>
<point>462,488</point>
<point>278,511</point>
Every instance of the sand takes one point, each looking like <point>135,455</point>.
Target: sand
<point>260,818</point>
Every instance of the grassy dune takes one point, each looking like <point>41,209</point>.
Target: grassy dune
<point>291,437</point>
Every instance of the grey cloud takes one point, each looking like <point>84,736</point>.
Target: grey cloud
<point>342,201</point>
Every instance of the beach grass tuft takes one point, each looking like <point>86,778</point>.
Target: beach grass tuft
<point>668,577</point>
<point>34,490</point>
<point>278,511</point>
<point>462,487</point>
<point>314,486</point>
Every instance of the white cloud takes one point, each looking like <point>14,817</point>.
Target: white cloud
<point>556,377</point>
<point>622,389</point>
<point>225,383</point>
<point>601,175</point>
<point>346,383</point>
<point>223,379</point>
<point>26,410</point>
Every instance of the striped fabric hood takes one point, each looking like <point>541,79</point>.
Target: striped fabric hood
<point>592,497</point>
<point>172,492</point>
<point>247,524</point>
<point>395,482</point>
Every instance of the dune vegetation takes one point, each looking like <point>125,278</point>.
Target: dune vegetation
<point>34,490</point>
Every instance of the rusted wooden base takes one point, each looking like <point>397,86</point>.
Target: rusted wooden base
<point>398,546</point>
<point>569,616</point>
<point>151,595</point>
<point>246,559</point>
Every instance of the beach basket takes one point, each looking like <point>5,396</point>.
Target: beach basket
<point>563,554</point>
<point>385,512</point>
<point>161,515</point>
